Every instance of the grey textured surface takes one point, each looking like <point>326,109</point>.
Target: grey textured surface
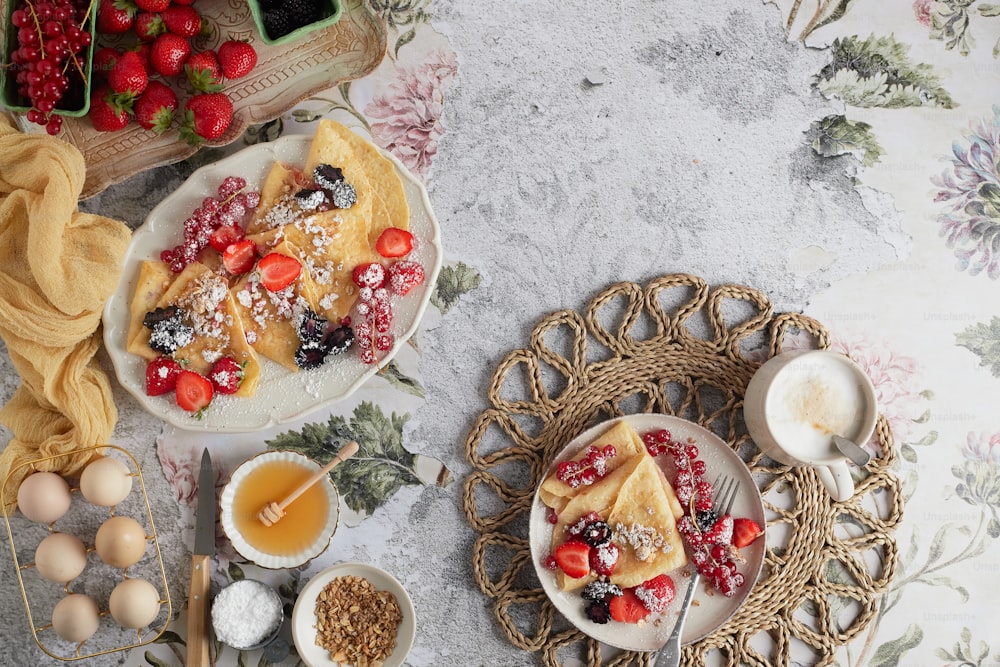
<point>689,155</point>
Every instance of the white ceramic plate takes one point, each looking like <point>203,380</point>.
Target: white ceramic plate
<point>282,395</point>
<point>251,553</point>
<point>711,610</point>
<point>304,615</point>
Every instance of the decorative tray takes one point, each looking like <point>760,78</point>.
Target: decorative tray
<point>285,75</point>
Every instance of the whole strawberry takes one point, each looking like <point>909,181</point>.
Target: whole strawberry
<point>127,79</point>
<point>181,20</point>
<point>237,59</point>
<point>152,5</point>
<point>154,110</point>
<point>204,72</point>
<point>103,114</point>
<point>206,117</point>
<point>115,17</point>
<point>104,59</point>
<point>168,54</point>
<point>148,26</point>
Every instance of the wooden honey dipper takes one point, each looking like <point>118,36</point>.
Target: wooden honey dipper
<point>272,512</point>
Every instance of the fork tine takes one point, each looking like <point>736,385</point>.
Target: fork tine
<point>726,489</point>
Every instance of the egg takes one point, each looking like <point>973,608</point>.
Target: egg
<point>134,603</point>
<point>43,497</point>
<point>106,482</point>
<point>120,541</point>
<point>75,617</point>
<point>60,557</point>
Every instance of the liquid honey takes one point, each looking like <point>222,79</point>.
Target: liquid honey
<point>304,518</point>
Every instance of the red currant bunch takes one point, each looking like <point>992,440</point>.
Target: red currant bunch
<point>48,59</point>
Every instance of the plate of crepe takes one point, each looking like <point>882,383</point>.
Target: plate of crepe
<point>636,490</point>
<point>282,392</point>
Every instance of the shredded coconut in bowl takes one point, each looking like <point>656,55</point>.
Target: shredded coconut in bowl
<point>246,614</point>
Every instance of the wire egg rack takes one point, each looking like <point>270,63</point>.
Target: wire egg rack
<point>109,637</point>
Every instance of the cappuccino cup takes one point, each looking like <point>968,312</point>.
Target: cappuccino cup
<point>798,400</point>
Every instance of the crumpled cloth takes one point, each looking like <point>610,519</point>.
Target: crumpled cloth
<point>58,267</point>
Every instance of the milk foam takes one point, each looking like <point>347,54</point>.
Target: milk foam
<point>811,399</point>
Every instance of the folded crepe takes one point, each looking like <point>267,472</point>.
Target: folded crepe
<point>58,267</point>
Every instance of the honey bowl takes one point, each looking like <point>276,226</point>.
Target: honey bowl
<point>308,524</point>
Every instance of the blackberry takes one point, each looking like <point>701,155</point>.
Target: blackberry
<point>342,194</point>
<point>310,199</point>
<point>338,340</point>
<point>596,533</point>
<point>303,12</point>
<point>598,612</point>
<point>705,519</point>
<point>278,22</point>
<point>326,176</point>
<point>309,356</point>
<point>168,332</point>
<point>311,328</point>
<point>600,591</point>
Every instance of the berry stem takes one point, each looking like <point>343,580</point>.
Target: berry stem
<point>38,28</point>
<point>90,8</point>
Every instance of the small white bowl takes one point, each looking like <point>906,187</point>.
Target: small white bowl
<point>304,614</point>
<point>255,555</point>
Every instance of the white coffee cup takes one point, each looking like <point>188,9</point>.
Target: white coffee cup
<point>796,402</point>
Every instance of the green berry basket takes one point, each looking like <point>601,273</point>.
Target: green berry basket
<point>9,96</point>
<point>330,11</point>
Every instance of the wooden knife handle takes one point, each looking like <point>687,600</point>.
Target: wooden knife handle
<point>197,628</point>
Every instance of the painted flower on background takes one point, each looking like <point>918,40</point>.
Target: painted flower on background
<point>923,9</point>
<point>895,377</point>
<point>180,467</point>
<point>971,190</point>
<point>979,475</point>
<point>406,120</point>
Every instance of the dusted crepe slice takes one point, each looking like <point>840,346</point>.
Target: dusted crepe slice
<point>209,308</point>
<point>269,318</point>
<point>154,279</point>
<point>555,493</point>
<point>278,189</point>
<point>645,527</point>
<point>390,208</point>
<point>598,497</point>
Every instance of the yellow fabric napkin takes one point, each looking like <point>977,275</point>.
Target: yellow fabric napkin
<point>58,266</point>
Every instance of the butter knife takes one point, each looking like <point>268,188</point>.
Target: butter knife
<point>204,548</point>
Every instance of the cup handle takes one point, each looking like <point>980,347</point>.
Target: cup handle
<point>837,479</point>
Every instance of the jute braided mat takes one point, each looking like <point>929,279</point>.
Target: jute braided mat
<point>675,346</point>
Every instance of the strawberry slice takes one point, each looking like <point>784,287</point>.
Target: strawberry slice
<point>394,242</point>
<point>657,593</point>
<point>194,391</point>
<point>404,276</point>
<point>573,558</point>
<point>238,258</point>
<point>226,375</point>
<point>224,236</point>
<point>721,532</point>
<point>371,274</point>
<point>161,376</point>
<point>604,558</point>
<point>745,531</point>
<point>278,271</point>
<point>627,607</point>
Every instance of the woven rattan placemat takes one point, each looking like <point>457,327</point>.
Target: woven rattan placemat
<point>675,346</point>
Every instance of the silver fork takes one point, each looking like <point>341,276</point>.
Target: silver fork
<point>669,654</point>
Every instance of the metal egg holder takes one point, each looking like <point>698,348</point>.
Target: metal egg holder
<point>43,631</point>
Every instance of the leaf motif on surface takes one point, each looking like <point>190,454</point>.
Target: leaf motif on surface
<point>380,468</point>
<point>890,653</point>
<point>391,373</point>
<point>878,72</point>
<point>836,135</point>
<point>454,281</point>
<point>983,340</point>
<point>151,659</point>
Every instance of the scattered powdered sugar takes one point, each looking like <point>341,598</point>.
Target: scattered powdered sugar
<point>644,540</point>
<point>246,613</point>
<point>651,601</point>
<point>606,555</point>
